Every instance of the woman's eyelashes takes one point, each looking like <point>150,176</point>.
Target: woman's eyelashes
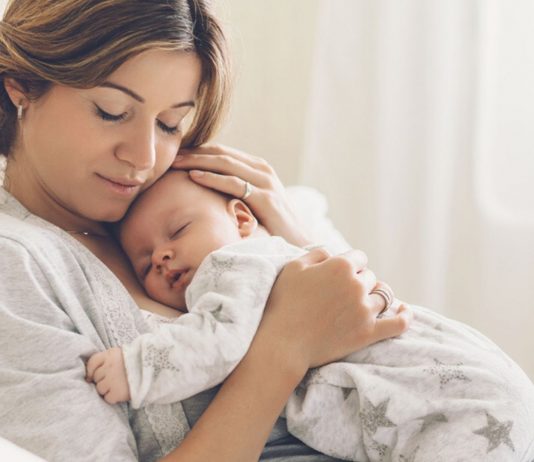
<point>110,117</point>
<point>120,117</point>
<point>170,130</point>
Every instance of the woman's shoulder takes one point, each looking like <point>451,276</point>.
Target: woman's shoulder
<point>13,215</point>
<point>41,250</point>
<point>39,257</point>
<point>24,236</point>
<point>20,229</point>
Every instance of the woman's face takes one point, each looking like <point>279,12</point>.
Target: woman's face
<point>90,152</point>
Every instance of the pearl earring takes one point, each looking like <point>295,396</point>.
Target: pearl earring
<point>19,111</point>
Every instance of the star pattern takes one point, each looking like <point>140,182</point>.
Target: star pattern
<point>158,359</point>
<point>300,391</point>
<point>346,392</point>
<point>496,432</point>
<point>217,314</point>
<point>220,266</point>
<point>447,372</point>
<point>432,419</point>
<point>411,457</point>
<point>312,376</point>
<point>374,417</point>
<point>435,333</point>
<point>381,449</point>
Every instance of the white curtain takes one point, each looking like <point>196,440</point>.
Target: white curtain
<point>419,131</point>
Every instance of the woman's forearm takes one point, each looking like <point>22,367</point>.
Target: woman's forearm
<point>237,423</point>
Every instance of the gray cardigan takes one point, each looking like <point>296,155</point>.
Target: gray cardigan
<point>58,305</point>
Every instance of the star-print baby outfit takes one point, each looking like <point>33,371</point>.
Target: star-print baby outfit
<point>440,392</point>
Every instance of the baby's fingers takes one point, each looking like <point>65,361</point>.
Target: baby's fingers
<point>393,326</point>
<point>93,364</point>
<point>103,387</point>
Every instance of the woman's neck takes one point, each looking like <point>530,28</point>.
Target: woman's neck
<point>24,185</point>
<point>22,182</point>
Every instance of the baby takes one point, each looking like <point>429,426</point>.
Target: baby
<point>439,390</point>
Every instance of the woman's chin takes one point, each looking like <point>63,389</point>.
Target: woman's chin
<point>110,215</point>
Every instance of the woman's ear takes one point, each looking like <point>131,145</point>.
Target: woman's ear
<point>16,92</point>
<point>245,220</point>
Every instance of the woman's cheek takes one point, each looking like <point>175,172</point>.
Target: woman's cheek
<point>164,158</point>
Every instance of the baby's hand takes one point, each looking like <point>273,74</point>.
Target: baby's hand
<point>106,369</point>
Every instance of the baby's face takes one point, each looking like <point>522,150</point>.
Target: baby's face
<point>169,231</point>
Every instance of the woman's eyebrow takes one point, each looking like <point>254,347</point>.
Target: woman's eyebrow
<point>135,96</point>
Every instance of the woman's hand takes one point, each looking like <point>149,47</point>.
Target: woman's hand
<point>228,170</point>
<point>321,309</point>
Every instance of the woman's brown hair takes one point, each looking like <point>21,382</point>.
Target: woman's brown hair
<point>79,43</point>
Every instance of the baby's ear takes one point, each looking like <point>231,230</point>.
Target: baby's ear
<point>244,218</point>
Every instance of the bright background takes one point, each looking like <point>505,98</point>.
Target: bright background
<point>415,119</point>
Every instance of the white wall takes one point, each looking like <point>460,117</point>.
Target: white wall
<point>272,45</point>
<point>419,133</point>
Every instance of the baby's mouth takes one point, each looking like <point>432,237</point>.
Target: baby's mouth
<point>175,277</point>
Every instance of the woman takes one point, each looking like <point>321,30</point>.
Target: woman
<point>93,103</point>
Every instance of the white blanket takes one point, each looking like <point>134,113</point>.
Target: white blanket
<point>441,391</point>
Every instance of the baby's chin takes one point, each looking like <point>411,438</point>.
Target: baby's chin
<point>178,305</point>
<point>181,309</point>
<point>172,300</point>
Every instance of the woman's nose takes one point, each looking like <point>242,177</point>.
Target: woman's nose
<point>139,150</point>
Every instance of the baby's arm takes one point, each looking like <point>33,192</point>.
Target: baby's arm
<point>107,371</point>
<point>199,349</point>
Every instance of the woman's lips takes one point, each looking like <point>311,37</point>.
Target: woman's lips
<point>121,186</point>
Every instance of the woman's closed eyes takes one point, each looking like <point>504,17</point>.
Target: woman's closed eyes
<point>120,117</point>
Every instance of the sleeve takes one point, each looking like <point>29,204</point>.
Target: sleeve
<point>200,348</point>
<point>46,406</point>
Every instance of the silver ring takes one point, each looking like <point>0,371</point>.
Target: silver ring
<point>387,295</point>
<point>248,191</point>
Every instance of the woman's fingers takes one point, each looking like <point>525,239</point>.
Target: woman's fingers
<point>394,325</point>
<point>230,171</point>
<point>357,259</point>
<point>367,279</point>
<point>224,165</point>
<point>314,256</point>
<point>232,185</point>
<point>219,151</point>
<point>381,297</point>
<point>321,309</point>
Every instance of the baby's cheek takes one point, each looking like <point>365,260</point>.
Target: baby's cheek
<point>155,286</point>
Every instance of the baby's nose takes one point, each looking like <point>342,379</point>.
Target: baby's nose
<point>161,258</point>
